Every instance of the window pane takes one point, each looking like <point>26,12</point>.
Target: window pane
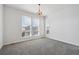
<point>26,22</point>
<point>35,24</point>
<point>24,34</point>
<point>35,33</point>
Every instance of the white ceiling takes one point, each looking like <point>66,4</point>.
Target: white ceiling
<point>47,9</point>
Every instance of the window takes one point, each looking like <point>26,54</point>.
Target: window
<point>35,26</point>
<point>30,26</point>
<point>26,23</point>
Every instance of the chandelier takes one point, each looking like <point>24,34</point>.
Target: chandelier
<point>39,10</point>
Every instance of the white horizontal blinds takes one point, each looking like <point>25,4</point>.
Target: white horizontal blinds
<point>26,23</point>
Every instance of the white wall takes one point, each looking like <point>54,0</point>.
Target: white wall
<point>1,26</point>
<point>13,25</point>
<point>64,25</point>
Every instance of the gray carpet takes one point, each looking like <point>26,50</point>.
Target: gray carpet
<point>43,46</point>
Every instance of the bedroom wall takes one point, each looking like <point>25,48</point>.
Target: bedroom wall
<point>13,25</point>
<point>1,26</point>
<point>64,25</point>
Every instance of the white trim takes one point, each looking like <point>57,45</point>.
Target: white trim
<point>26,39</point>
<point>64,41</point>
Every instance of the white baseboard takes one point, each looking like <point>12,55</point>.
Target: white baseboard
<point>64,41</point>
<point>24,39</point>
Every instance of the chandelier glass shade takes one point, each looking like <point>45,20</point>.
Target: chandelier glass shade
<point>39,10</point>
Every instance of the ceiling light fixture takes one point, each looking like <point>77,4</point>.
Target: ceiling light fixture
<point>39,10</point>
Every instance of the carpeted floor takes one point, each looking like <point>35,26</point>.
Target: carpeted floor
<point>42,46</point>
